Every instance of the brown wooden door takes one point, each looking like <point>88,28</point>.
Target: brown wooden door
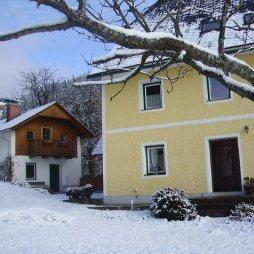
<point>225,165</point>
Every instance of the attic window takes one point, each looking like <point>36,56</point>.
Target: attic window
<point>63,137</point>
<point>29,135</point>
<point>46,134</point>
<point>248,18</point>
<point>152,95</point>
<point>216,90</point>
<point>211,26</point>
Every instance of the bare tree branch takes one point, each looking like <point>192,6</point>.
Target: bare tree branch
<point>160,45</point>
<point>58,26</point>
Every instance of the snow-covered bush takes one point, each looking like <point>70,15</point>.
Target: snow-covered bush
<point>242,212</point>
<point>21,183</point>
<point>172,204</point>
<point>8,168</point>
<point>79,192</point>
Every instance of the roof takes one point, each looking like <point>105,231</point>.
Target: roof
<point>29,115</point>
<point>24,117</point>
<point>6,100</point>
<point>98,148</point>
<point>2,121</point>
<point>191,27</point>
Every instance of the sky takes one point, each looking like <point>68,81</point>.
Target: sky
<point>62,51</point>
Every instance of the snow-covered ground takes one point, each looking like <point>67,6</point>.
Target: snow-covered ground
<point>33,222</point>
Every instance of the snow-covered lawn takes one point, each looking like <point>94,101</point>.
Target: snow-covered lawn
<point>33,222</point>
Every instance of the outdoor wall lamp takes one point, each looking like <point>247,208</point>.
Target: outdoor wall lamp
<point>246,129</point>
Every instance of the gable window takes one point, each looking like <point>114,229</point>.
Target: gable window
<point>31,171</point>
<point>155,160</point>
<point>29,135</point>
<point>63,138</point>
<point>47,134</point>
<point>248,19</point>
<point>152,95</point>
<point>216,90</point>
<point>213,25</point>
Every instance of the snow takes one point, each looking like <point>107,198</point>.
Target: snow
<point>227,79</point>
<point>37,223</point>
<point>98,148</point>
<point>2,121</point>
<point>24,117</point>
<point>60,21</point>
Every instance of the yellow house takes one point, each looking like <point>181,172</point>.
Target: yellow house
<point>199,137</point>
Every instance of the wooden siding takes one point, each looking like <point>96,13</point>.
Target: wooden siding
<point>55,111</point>
<point>46,119</point>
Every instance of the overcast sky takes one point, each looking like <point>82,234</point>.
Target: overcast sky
<point>60,50</point>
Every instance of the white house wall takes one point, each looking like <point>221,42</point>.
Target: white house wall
<point>70,169</point>
<point>7,144</point>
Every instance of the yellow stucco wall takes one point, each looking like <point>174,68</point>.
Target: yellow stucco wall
<point>185,144</point>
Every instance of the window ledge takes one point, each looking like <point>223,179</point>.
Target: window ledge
<point>218,101</point>
<point>155,176</point>
<point>151,110</point>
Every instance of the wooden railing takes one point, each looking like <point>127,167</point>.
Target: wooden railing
<point>51,149</point>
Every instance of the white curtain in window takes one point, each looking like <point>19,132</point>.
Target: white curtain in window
<point>153,154</point>
<point>153,101</point>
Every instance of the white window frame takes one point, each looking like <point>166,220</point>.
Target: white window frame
<point>144,159</point>
<point>207,141</point>
<point>207,90</point>
<point>142,100</point>
<point>34,164</point>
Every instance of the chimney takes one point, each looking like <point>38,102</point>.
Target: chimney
<point>13,111</point>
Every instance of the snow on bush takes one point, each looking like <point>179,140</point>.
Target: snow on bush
<point>79,192</point>
<point>242,212</point>
<point>21,183</point>
<point>24,184</point>
<point>172,204</point>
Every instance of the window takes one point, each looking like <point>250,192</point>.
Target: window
<point>210,26</point>
<point>248,19</point>
<point>63,137</point>
<point>216,90</point>
<point>46,134</point>
<point>152,95</point>
<point>155,160</point>
<point>29,135</point>
<point>30,171</point>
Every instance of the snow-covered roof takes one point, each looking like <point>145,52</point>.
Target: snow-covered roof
<point>27,115</point>
<point>2,121</point>
<point>192,25</point>
<point>98,148</point>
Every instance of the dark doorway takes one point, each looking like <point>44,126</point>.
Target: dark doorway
<point>225,165</point>
<point>54,178</point>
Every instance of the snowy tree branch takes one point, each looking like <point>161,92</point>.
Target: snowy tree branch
<point>159,43</point>
<point>49,27</point>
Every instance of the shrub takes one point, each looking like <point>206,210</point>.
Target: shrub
<point>82,192</point>
<point>21,183</point>
<point>242,212</point>
<point>172,204</point>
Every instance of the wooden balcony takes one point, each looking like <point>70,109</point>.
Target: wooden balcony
<point>52,148</point>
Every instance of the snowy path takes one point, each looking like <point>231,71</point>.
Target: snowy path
<point>32,222</point>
